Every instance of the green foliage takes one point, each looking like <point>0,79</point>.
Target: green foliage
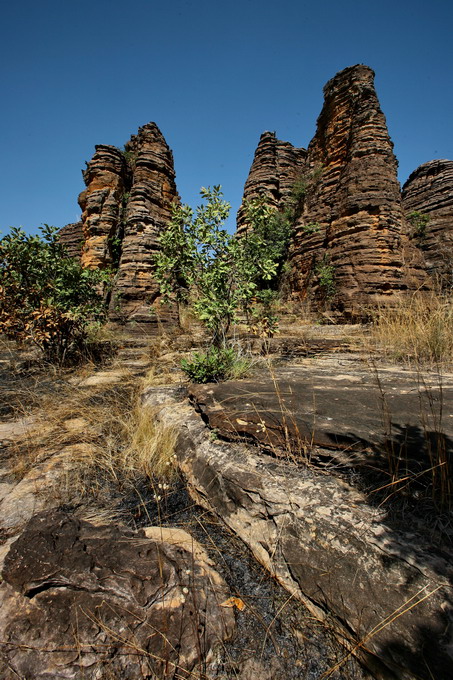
<point>264,320</point>
<point>325,272</point>
<point>311,228</point>
<point>419,222</point>
<point>214,365</point>
<point>46,297</point>
<point>130,157</point>
<point>220,274</point>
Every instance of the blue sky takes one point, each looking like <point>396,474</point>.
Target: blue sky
<point>213,76</point>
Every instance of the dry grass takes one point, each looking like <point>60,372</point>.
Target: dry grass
<point>417,330</point>
<point>107,436</point>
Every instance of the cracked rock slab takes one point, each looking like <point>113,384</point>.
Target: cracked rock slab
<point>79,600</point>
<point>387,594</point>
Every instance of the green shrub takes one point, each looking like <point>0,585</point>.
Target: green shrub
<point>325,272</point>
<point>46,297</point>
<point>419,222</point>
<point>218,363</point>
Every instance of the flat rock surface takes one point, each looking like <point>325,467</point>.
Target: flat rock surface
<point>385,591</point>
<point>353,408</point>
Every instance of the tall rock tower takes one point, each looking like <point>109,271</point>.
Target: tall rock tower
<point>429,192</point>
<point>125,206</point>
<point>350,224</point>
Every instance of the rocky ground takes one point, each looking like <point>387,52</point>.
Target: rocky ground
<point>277,505</point>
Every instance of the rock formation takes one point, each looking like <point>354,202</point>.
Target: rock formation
<point>429,191</point>
<point>384,592</point>
<point>71,237</point>
<point>349,242</point>
<point>147,211</point>
<point>275,170</point>
<point>107,178</point>
<point>79,600</point>
<point>126,204</point>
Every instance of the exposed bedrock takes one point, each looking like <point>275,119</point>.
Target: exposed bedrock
<point>429,191</point>
<point>387,595</point>
<point>79,600</point>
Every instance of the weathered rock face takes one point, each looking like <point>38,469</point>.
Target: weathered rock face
<point>71,237</point>
<point>147,211</point>
<point>107,179</point>
<point>84,601</point>
<point>429,191</point>
<point>125,206</point>
<point>349,242</point>
<point>276,168</point>
<point>385,593</point>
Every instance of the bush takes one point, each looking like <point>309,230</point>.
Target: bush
<point>46,297</point>
<point>419,222</point>
<point>214,365</point>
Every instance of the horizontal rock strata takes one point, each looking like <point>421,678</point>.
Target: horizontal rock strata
<point>147,212</point>
<point>125,206</point>
<point>429,191</point>
<point>79,600</point>
<point>276,168</point>
<point>107,180</point>
<point>349,247</point>
<point>71,237</point>
<point>386,594</point>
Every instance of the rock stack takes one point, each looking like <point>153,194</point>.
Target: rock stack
<point>429,192</point>
<point>349,247</point>
<point>125,206</point>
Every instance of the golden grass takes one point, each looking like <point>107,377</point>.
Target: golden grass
<point>106,434</point>
<point>419,329</point>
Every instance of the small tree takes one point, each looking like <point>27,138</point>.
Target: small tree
<point>46,297</point>
<point>220,273</point>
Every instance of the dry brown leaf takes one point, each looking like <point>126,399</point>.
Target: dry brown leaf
<point>234,602</point>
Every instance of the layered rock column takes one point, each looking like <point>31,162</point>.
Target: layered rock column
<point>147,212</point>
<point>125,206</point>
<point>107,178</point>
<point>276,168</point>
<point>72,238</point>
<point>429,191</point>
<point>349,224</point>
<point>355,199</point>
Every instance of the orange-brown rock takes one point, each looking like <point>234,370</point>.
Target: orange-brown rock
<point>71,237</point>
<point>429,191</point>
<point>147,212</point>
<point>125,206</point>
<point>349,246</point>
<point>107,181</point>
<point>276,168</point>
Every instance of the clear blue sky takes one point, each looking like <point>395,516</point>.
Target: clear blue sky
<point>213,75</point>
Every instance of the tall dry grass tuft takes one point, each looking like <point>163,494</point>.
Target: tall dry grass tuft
<point>151,446</point>
<point>419,329</point>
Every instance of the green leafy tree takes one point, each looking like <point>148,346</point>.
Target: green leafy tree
<point>46,297</point>
<point>219,273</point>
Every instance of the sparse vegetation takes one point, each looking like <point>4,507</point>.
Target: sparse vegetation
<point>214,365</point>
<point>419,222</point>
<point>325,271</point>
<point>418,330</point>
